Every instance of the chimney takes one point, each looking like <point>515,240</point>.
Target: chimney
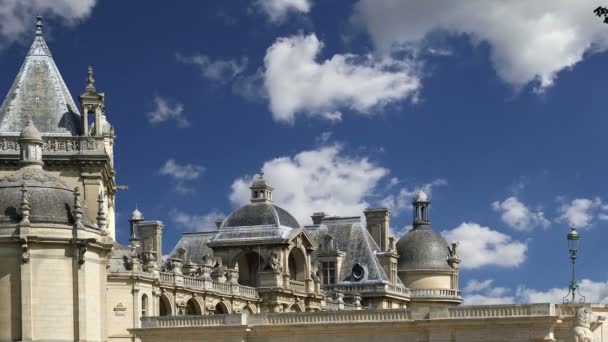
<point>151,234</point>
<point>378,225</point>
<point>317,217</point>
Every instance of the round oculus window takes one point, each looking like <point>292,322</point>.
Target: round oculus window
<point>358,272</point>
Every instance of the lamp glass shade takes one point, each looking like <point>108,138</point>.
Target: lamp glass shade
<point>573,239</point>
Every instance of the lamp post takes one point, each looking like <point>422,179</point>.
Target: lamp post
<point>573,240</point>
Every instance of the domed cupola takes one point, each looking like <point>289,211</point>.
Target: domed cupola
<point>260,211</point>
<point>422,248</point>
<point>426,263</point>
<point>47,198</point>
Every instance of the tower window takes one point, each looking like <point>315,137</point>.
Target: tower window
<point>144,305</point>
<point>329,272</point>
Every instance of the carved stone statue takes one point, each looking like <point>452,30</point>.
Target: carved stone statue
<point>452,251</point>
<point>581,331</point>
<point>274,261</point>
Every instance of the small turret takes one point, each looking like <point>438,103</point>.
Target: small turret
<point>260,190</point>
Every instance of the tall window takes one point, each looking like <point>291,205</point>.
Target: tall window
<point>144,305</point>
<point>329,272</point>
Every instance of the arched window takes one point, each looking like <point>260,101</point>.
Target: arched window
<point>221,309</point>
<point>248,265</point>
<point>297,265</point>
<point>164,306</point>
<point>192,308</point>
<point>144,305</point>
<point>423,213</point>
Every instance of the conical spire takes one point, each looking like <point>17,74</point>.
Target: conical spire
<point>39,91</point>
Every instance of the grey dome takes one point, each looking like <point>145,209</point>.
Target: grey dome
<point>50,199</point>
<point>260,214</point>
<point>422,249</point>
<point>136,215</point>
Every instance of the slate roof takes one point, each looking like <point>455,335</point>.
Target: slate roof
<point>257,221</point>
<point>118,258</point>
<point>423,249</point>
<point>195,245</point>
<point>260,214</point>
<point>39,91</point>
<point>352,238</point>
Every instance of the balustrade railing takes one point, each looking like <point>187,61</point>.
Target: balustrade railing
<point>167,278</point>
<point>9,144</point>
<point>437,293</point>
<point>297,286</point>
<point>321,317</point>
<point>508,310</point>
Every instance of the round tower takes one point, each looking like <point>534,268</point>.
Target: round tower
<point>53,255</point>
<point>427,265</point>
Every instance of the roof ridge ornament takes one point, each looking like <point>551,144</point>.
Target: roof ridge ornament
<point>90,80</point>
<point>39,26</point>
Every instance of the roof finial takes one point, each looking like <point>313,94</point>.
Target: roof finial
<point>90,80</point>
<point>39,26</point>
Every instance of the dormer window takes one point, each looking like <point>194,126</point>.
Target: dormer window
<point>328,270</point>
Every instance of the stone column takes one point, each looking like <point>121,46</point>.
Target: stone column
<point>92,184</point>
<point>27,329</point>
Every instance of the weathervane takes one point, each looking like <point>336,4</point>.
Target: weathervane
<point>573,239</point>
<point>602,12</point>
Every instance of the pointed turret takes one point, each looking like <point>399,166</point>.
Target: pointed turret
<point>39,91</point>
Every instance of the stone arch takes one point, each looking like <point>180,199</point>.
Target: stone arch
<point>248,263</point>
<point>297,265</point>
<point>193,307</point>
<point>250,309</point>
<point>165,305</point>
<point>297,307</point>
<point>222,308</point>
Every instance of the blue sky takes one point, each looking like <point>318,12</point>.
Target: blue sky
<point>494,108</point>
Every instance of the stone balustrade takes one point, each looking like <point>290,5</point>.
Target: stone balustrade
<point>297,286</point>
<point>436,293</point>
<point>171,279</point>
<point>56,145</point>
<point>362,289</point>
<point>358,316</point>
<point>506,310</point>
<point>321,317</point>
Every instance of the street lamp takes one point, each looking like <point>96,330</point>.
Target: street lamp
<point>573,240</point>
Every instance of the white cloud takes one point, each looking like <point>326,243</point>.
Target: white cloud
<point>529,41</point>
<point>403,200</point>
<point>517,215</point>
<point>323,179</point>
<point>482,292</point>
<point>165,110</point>
<point>481,246</point>
<point>581,211</point>
<point>197,223</point>
<point>18,17</point>
<point>216,70</point>
<point>277,10</point>
<point>182,174</point>
<point>297,83</point>
<point>594,292</point>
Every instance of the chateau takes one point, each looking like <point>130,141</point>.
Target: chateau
<point>259,275</point>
